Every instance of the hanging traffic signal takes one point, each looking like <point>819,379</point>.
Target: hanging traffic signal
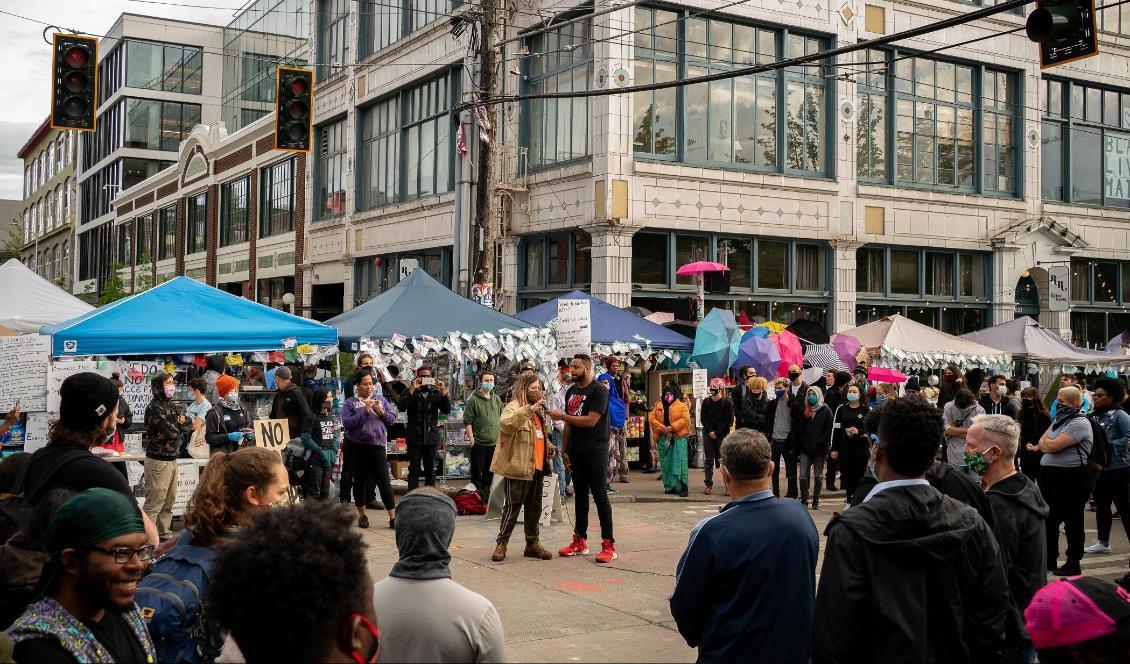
<point>1064,29</point>
<point>74,82</point>
<point>293,109</point>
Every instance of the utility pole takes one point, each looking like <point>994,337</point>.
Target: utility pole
<point>484,238</point>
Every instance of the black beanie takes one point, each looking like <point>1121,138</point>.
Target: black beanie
<point>85,399</point>
<point>913,384</point>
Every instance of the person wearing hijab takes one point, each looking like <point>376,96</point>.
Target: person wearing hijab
<point>617,417</point>
<point>425,615</point>
<point>813,438</point>
<point>86,611</point>
<point>670,423</point>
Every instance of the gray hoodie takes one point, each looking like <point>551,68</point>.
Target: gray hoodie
<point>424,615</point>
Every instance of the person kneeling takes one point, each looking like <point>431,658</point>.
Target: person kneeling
<point>522,459</point>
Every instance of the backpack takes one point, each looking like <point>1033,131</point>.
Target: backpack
<point>469,502</point>
<point>170,598</point>
<point>296,459</point>
<point>1102,451</point>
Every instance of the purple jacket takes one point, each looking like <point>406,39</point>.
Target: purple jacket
<point>363,428</point>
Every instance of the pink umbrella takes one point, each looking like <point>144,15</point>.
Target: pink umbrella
<point>882,375</point>
<point>699,267</point>
<point>847,347</point>
<point>791,351</point>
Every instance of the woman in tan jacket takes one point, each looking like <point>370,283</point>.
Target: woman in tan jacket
<point>522,458</point>
<point>670,424</point>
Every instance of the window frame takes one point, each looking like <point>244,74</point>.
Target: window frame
<point>143,230</point>
<point>890,93</point>
<point>554,65</point>
<point>196,230</point>
<point>572,283</point>
<point>268,183</point>
<point>232,231</point>
<point>781,77</point>
<point>166,230</point>
<point>339,27</point>
<point>1068,122</point>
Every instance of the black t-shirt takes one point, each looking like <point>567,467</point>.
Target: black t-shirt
<point>113,633</point>
<point>326,426</point>
<point>581,401</point>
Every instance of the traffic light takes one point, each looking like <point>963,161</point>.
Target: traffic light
<point>1064,29</point>
<point>293,109</point>
<point>74,82</point>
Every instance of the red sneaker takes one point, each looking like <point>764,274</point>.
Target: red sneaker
<point>607,552</point>
<point>578,547</point>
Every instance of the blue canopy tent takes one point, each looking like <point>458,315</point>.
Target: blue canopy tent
<point>611,324</point>
<point>183,316</point>
<point>417,306</point>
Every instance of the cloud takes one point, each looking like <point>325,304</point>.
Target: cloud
<point>12,137</point>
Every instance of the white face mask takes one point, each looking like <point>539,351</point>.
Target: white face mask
<point>1002,390</point>
<point>233,396</point>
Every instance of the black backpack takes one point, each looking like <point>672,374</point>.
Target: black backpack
<point>1102,451</point>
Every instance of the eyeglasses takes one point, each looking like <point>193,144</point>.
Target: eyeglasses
<point>1100,395</point>
<point>123,554</point>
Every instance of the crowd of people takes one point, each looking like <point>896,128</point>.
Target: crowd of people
<point>941,551</point>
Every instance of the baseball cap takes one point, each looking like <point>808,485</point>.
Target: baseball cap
<point>85,399</point>
<point>1076,609</point>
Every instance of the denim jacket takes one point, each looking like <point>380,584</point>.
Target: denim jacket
<point>1116,423</point>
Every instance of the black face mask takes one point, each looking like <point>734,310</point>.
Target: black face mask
<point>793,375</point>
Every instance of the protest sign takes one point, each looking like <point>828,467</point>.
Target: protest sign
<point>57,372</point>
<point>35,432</point>
<point>272,434</point>
<point>23,372</point>
<point>574,328</point>
<point>137,391</point>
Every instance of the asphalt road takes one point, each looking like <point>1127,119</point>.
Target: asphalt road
<point>576,610</point>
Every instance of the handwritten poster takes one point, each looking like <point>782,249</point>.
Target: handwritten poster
<point>57,372</point>
<point>574,327</point>
<point>698,383</point>
<point>272,434</point>
<point>137,391</point>
<point>23,372</point>
<point>35,432</point>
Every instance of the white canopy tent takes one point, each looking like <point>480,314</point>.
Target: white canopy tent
<point>30,301</point>
<point>896,342</point>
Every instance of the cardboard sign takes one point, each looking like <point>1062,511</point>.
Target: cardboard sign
<point>35,432</point>
<point>272,434</point>
<point>188,476</point>
<point>550,501</point>
<point>574,328</point>
<point>57,372</point>
<point>698,383</point>
<point>137,389</point>
<point>23,372</point>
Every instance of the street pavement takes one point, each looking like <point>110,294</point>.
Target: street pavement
<point>576,610</point>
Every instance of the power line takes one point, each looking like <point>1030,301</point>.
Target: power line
<point>757,69</point>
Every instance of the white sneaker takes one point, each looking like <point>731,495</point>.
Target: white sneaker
<point>1098,547</point>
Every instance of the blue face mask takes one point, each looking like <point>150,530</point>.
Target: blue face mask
<point>880,400</point>
<point>852,397</point>
<point>487,387</point>
<point>780,393</point>
<point>813,400</point>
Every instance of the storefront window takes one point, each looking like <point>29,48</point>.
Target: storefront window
<point>939,274</point>
<point>196,224</point>
<point>809,268</point>
<point>869,264</point>
<point>904,272</point>
<point>772,265</point>
<point>649,258</point>
<point>535,264</point>
<point>688,249</point>
<point>737,253</point>
<point>1088,329</point>
<point>1106,283</point>
<point>1080,281</point>
<point>561,261</point>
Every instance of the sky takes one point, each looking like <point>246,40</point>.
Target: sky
<point>27,58</point>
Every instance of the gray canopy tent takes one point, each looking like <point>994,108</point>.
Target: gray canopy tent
<point>1044,350</point>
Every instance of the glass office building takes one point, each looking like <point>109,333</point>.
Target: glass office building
<point>266,34</point>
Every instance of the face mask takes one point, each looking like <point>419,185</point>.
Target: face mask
<point>812,399</point>
<point>793,375</point>
<point>1027,401</point>
<point>780,393</point>
<point>170,390</point>
<point>757,395</point>
<point>852,397</point>
<point>713,393</point>
<point>1002,390</point>
<point>976,462</point>
<point>233,396</point>
<point>487,387</point>
<point>669,399</point>
<point>880,400</point>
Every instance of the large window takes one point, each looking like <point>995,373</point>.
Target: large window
<point>167,67</point>
<point>735,122</point>
<point>333,36</point>
<point>406,145</point>
<point>235,210</point>
<point>1085,137</point>
<point>276,184</point>
<point>382,23</point>
<point>258,77</point>
<point>561,261</point>
<point>135,171</point>
<point>332,150</point>
<point>157,125</point>
<point>143,240</point>
<point>167,233</point>
<point>196,223</point>
<point>125,240</point>
<point>560,61</point>
<point>930,274</point>
<point>756,264</point>
<point>937,108</point>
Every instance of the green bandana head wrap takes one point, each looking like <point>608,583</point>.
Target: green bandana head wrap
<point>89,517</point>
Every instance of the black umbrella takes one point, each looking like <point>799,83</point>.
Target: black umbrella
<point>809,331</point>
<point>639,311</point>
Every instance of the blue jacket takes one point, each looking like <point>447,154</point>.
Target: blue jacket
<point>746,584</point>
<point>1116,423</point>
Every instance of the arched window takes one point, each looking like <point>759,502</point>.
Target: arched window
<point>27,224</point>
<point>50,159</point>
<point>49,203</point>
<point>60,154</point>
<point>67,260</point>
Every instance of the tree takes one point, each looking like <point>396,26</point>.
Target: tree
<point>13,244</point>
<point>115,288</point>
<point>145,274</point>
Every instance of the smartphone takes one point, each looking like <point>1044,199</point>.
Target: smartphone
<point>428,381</point>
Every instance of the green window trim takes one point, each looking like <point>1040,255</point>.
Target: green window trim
<point>556,131</point>
<point>539,258</point>
<point>1080,121</point>
<point>967,274</point>
<point>167,233</point>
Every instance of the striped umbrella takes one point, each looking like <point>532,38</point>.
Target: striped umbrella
<point>825,357</point>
